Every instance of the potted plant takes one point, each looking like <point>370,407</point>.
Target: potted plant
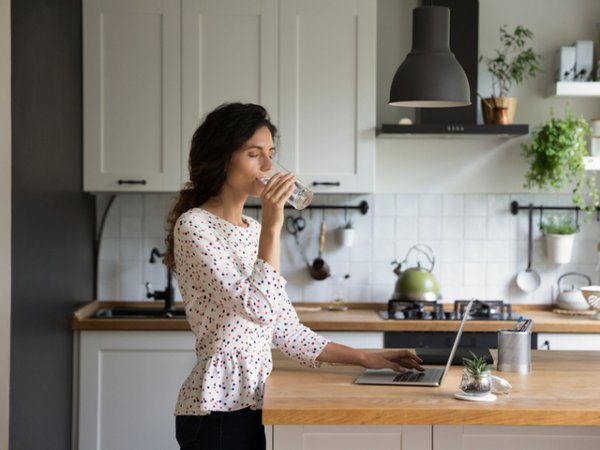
<point>560,233</point>
<point>513,63</point>
<point>477,376</point>
<point>555,155</point>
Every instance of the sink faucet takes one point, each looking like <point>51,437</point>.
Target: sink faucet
<point>168,295</point>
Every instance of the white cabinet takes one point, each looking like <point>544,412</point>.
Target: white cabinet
<point>152,69</point>
<point>327,92</point>
<point>568,341</point>
<point>229,54</point>
<point>132,95</point>
<point>350,437</point>
<point>436,437</point>
<point>476,437</point>
<point>128,387</point>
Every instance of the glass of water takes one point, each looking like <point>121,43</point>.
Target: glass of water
<point>301,196</point>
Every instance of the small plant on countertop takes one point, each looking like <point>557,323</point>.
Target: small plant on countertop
<point>555,155</point>
<point>562,225</point>
<point>476,375</point>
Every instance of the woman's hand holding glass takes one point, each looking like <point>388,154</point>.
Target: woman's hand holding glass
<point>273,197</point>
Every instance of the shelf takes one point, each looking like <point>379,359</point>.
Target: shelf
<point>591,162</point>
<point>453,130</point>
<point>574,89</point>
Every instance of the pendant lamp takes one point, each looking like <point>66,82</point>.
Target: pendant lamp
<point>430,76</point>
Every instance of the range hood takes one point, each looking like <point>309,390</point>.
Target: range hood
<point>464,43</point>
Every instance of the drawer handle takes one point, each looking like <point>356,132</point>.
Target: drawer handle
<point>132,181</point>
<point>326,183</point>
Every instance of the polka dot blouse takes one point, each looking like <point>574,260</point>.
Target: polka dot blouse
<point>236,306</point>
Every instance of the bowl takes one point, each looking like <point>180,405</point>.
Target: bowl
<point>592,296</point>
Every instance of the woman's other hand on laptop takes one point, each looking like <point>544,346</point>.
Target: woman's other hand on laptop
<point>398,360</point>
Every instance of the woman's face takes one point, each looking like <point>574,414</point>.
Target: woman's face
<point>250,163</point>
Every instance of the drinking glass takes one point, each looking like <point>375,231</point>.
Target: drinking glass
<point>301,196</point>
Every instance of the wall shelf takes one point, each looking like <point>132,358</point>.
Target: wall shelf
<point>591,162</point>
<point>574,89</point>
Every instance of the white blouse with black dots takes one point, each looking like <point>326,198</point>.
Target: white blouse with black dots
<point>236,306</point>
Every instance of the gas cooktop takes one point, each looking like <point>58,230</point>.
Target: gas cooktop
<point>423,310</point>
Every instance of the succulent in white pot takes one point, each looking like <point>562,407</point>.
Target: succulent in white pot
<point>560,234</point>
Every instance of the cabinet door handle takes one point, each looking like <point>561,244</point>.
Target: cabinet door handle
<point>326,183</point>
<point>132,181</point>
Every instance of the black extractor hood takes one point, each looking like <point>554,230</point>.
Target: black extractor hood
<point>464,43</point>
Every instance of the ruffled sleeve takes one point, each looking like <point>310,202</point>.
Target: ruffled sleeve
<point>202,258</point>
<point>295,340</point>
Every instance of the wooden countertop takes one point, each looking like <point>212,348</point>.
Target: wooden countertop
<point>562,389</point>
<point>363,318</point>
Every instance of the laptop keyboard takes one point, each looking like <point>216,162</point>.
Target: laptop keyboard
<point>413,375</point>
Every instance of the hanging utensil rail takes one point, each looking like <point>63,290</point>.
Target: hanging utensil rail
<point>363,207</point>
<point>515,208</point>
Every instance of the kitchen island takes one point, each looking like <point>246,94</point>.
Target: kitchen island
<point>556,406</point>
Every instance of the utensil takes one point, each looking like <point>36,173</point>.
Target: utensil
<point>516,327</point>
<point>573,298</point>
<point>417,283</point>
<point>529,280</point>
<point>320,269</point>
<point>294,225</point>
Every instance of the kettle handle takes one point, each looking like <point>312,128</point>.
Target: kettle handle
<point>425,250</point>
<point>583,275</point>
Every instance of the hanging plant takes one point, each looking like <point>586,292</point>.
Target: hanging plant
<point>555,155</point>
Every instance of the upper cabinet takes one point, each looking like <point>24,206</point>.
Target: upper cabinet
<point>229,54</point>
<point>310,63</point>
<point>132,95</point>
<point>327,72</point>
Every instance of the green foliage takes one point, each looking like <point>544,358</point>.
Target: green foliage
<point>559,225</point>
<point>555,155</point>
<point>476,365</point>
<point>513,62</point>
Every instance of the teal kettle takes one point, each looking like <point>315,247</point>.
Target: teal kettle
<point>417,283</point>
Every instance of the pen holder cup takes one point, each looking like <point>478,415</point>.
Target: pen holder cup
<point>514,351</point>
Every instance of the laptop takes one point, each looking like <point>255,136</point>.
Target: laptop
<point>431,376</point>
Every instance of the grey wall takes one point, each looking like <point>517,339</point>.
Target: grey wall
<point>52,220</point>
<point>5,201</point>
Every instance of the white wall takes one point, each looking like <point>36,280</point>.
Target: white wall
<point>477,165</point>
<point>5,218</point>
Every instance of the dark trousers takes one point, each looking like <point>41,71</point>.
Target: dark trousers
<point>239,430</point>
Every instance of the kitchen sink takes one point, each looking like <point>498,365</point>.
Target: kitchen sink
<point>138,313</point>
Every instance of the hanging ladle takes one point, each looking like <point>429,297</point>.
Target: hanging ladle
<point>529,280</point>
<point>319,269</point>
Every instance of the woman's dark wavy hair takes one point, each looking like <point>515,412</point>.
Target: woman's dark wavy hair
<point>223,131</point>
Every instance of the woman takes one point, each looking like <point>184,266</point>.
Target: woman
<point>227,267</point>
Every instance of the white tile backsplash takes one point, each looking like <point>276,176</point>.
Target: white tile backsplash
<point>479,246</point>
<point>452,205</point>
<point>407,205</point>
<point>430,228</point>
<point>475,205</point>
<point>430,205</point>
